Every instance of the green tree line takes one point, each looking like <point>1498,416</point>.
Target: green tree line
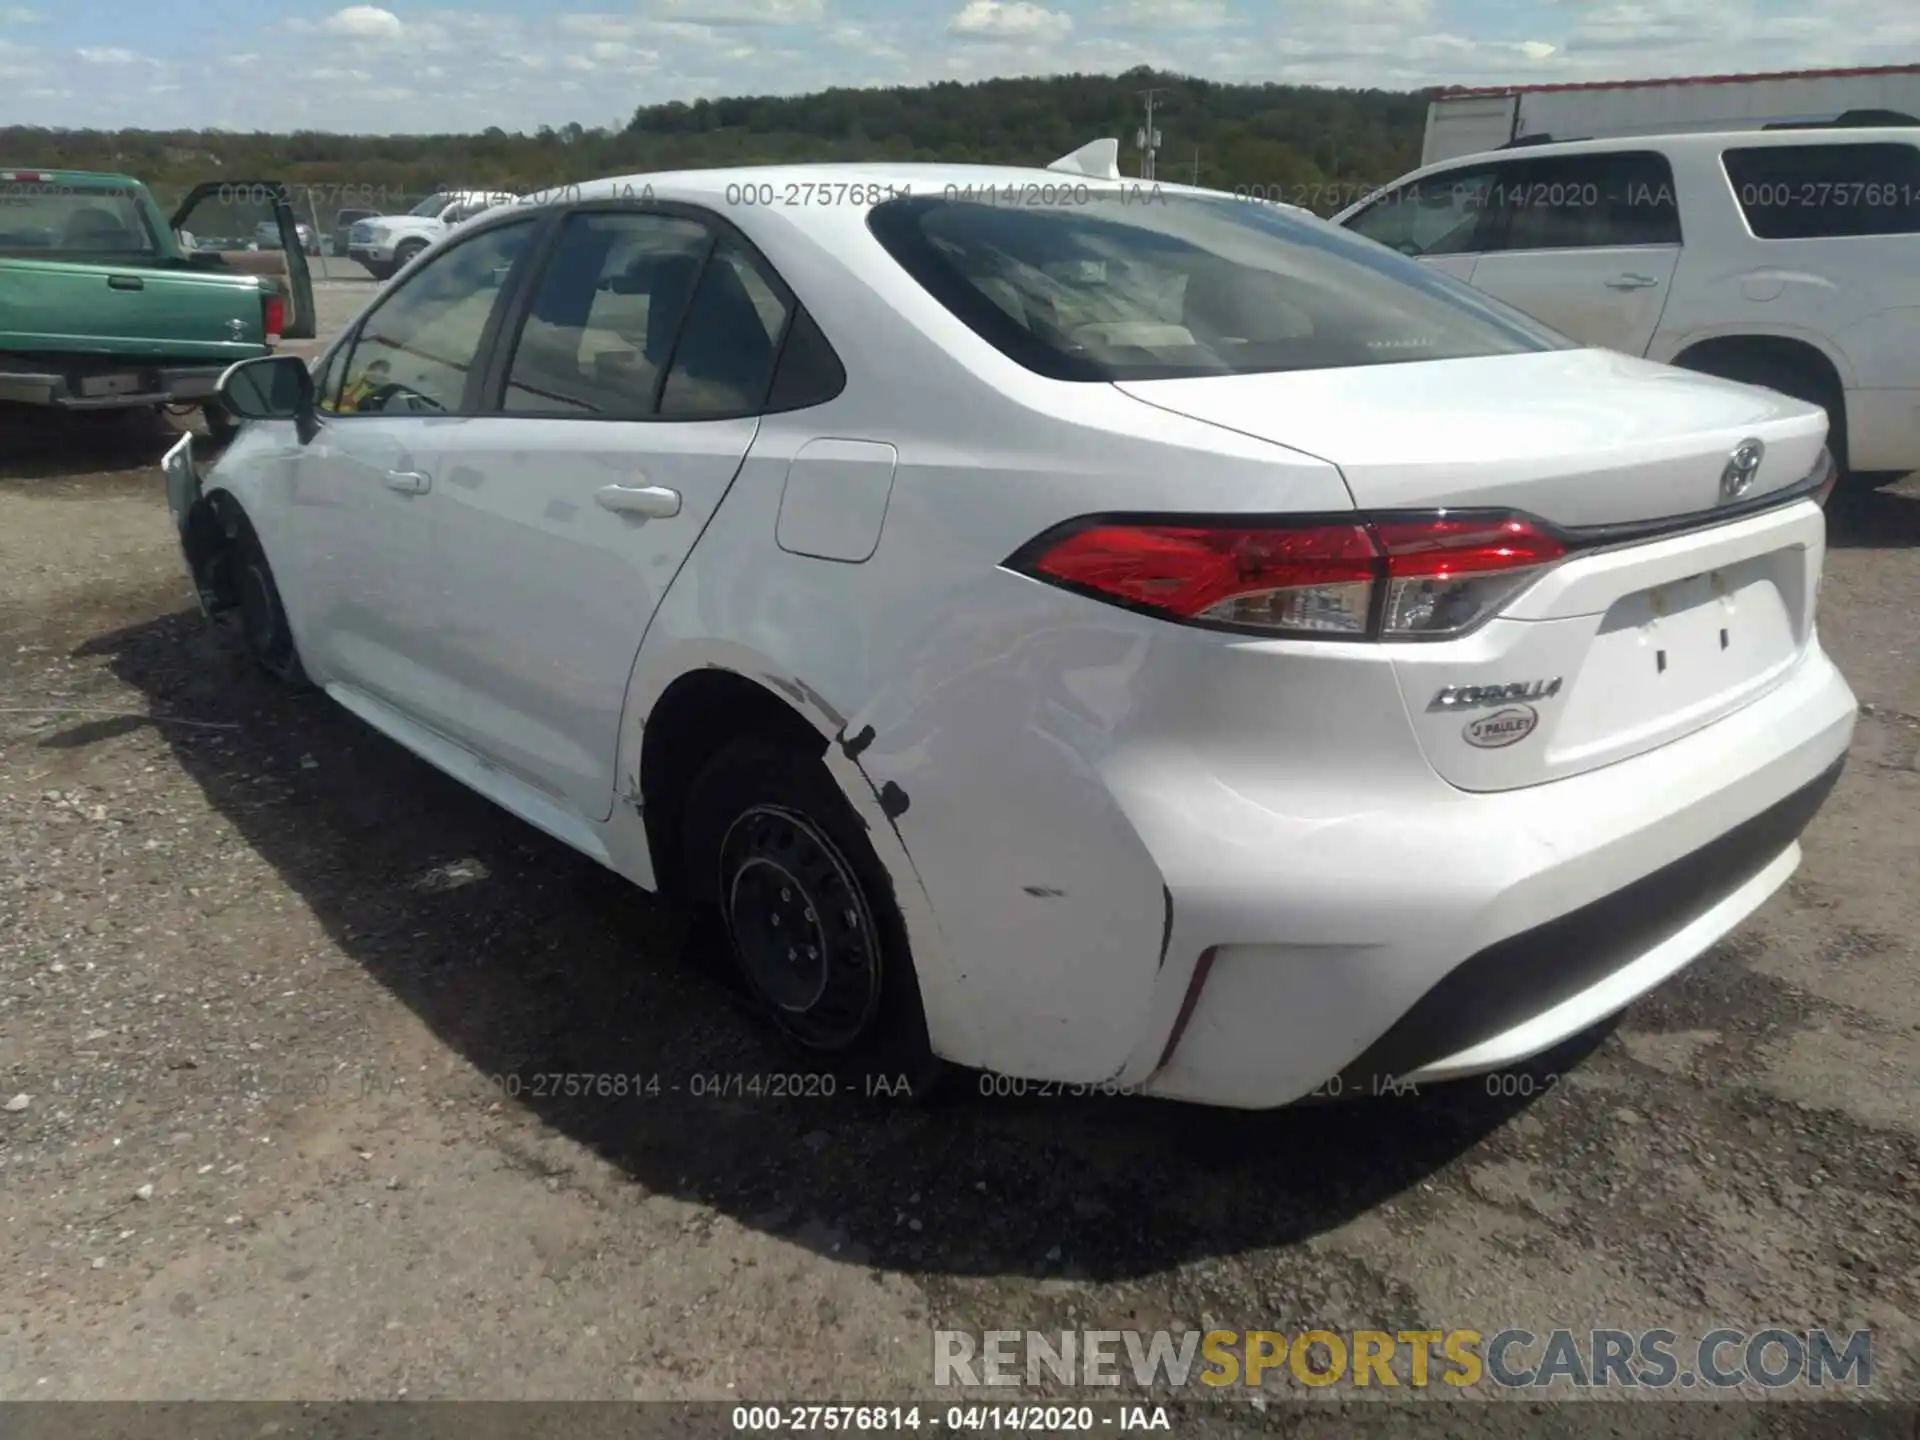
<point>1308,146</point>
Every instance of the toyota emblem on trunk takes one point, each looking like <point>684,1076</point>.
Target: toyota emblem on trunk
<point>1742,466</point>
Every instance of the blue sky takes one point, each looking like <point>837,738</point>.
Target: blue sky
<point>395,66</point>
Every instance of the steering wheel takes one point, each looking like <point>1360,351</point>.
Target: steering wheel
<point>415,402</point>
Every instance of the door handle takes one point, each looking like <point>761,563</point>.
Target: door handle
<point>409,482</point>
<point>125,282</point>
<point>1632,282</point>
<point>654,500</point>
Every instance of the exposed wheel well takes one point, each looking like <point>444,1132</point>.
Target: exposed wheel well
<point>213,525</point>
<point>697,716</point>
<point>1771,359</point>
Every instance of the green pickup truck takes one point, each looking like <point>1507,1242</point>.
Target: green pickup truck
<point>106,303</point>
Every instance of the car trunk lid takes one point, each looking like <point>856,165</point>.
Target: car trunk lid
<point>1575,437</point>
<point>1685,593</point>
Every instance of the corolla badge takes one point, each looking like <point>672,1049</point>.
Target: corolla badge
<point>1472,697</point>
<point>1741,468</point>
<point>1502,727</point>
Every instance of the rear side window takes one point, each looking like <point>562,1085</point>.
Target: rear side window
<point>1105,285</point>
<point>723,363</point>
<point>809,372</point>
<point>1587,202</point>
<point>601,330</point>
<point>1804,192</point>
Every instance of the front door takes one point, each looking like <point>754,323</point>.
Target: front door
<point>367,503</point>
<point>250,226</point>
<point>626,407</point>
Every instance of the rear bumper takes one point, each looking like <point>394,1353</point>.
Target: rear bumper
<point>1883,429</point>
<point>1453,937</point>
<point>136,385</point>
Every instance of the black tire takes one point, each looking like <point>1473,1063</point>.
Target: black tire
<point>776,852</point>
<point>1803,382</point>
<point>262,616</point>
<point>403,257</point>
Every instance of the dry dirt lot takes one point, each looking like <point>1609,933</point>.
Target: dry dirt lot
<point>259,969</point>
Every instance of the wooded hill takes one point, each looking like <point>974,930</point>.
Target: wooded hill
<point>1315,147</point>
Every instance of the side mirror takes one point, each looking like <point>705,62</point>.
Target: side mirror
<point>271,387</point>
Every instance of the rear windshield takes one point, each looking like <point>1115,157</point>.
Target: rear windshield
<point>1148,285</point>
<point>46,217</point>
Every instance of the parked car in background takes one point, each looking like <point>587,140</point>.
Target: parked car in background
<point>1124,638</point>
<point>1784,258</point>
<point>343,223</point>
<point>106,304</point>
<point>267,236</point>
<point>385,244</point>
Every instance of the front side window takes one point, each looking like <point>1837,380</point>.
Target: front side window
<point>1587,202</point>
<point>1439,215</point>
<point>1107,287</point>
<point>431,206</point>
<point>599,335</point>
<point>413,354</point>
<point>1802,192</point>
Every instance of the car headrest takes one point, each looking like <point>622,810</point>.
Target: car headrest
<point>97,229</point>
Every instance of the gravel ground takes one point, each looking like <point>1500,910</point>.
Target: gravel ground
<point>259,969</point>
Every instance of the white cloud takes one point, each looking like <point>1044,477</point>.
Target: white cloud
<point>366,22</point>
<point>737,12</point>
<point>1009,20</point>
<point>506,69</point>
<point>1168,15</point>
<point>112,55</point>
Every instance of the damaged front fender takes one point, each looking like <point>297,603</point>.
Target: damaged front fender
<point>203,532</point>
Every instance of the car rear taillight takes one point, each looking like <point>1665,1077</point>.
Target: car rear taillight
<point>1386,577</point>
<point>273,317</point>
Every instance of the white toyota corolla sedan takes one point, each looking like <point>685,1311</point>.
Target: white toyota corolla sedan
<point>1126,637</point>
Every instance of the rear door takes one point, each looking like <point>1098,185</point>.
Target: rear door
<point>627,396</point>
<point>1585,243</point>
<point>228,217</point>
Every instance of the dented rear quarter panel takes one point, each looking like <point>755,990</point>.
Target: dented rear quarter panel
<point>977,730</point>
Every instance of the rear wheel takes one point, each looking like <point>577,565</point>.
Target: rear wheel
<point>806,914</point>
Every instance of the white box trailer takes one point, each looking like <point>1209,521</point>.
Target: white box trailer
<point>1469,121</point>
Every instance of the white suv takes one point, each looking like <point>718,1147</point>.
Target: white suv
<point>1789,259</point>
<point>386,244</point>
<point>1098,634</point>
